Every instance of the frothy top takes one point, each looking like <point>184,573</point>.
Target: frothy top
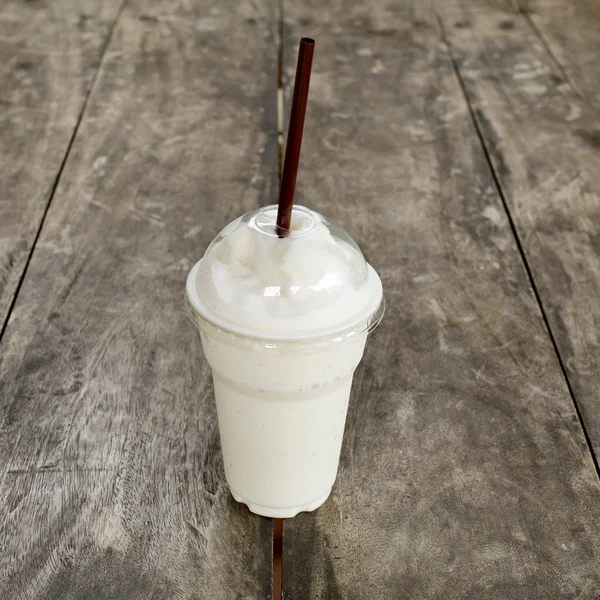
<point>312,281</point>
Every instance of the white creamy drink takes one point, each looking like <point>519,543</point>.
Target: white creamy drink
<point>283,323</point>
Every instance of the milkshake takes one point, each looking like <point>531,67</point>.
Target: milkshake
<point>283,323</point>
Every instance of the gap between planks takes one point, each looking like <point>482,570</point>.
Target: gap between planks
<point>280,92</point>
<point>516,237</point>
<point>61,168</point>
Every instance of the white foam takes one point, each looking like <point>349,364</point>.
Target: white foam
<point>296,284</point>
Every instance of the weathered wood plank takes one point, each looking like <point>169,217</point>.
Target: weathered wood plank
<point>112,484</point>
<point>543,139</point>
<point>50,52</point>
<point>571,30</point>
<point>464,471</point>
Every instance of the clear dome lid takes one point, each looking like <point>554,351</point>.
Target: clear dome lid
<point>313,283</point>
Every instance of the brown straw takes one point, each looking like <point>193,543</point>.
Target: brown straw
<point>294,141</point>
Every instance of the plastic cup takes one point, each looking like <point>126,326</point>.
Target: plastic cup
<point>282,388</point>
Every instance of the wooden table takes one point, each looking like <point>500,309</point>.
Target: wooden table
<point>457,141</point>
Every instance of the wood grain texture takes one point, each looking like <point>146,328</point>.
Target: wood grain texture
<point>50,52</point>
<point>544,142</point>
<point>112,485</point>
<point>571,31</point>
<point>464,471</point>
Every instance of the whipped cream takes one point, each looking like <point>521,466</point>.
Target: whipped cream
<point>308,282</point>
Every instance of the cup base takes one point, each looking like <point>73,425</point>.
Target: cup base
<point>281,512</point>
